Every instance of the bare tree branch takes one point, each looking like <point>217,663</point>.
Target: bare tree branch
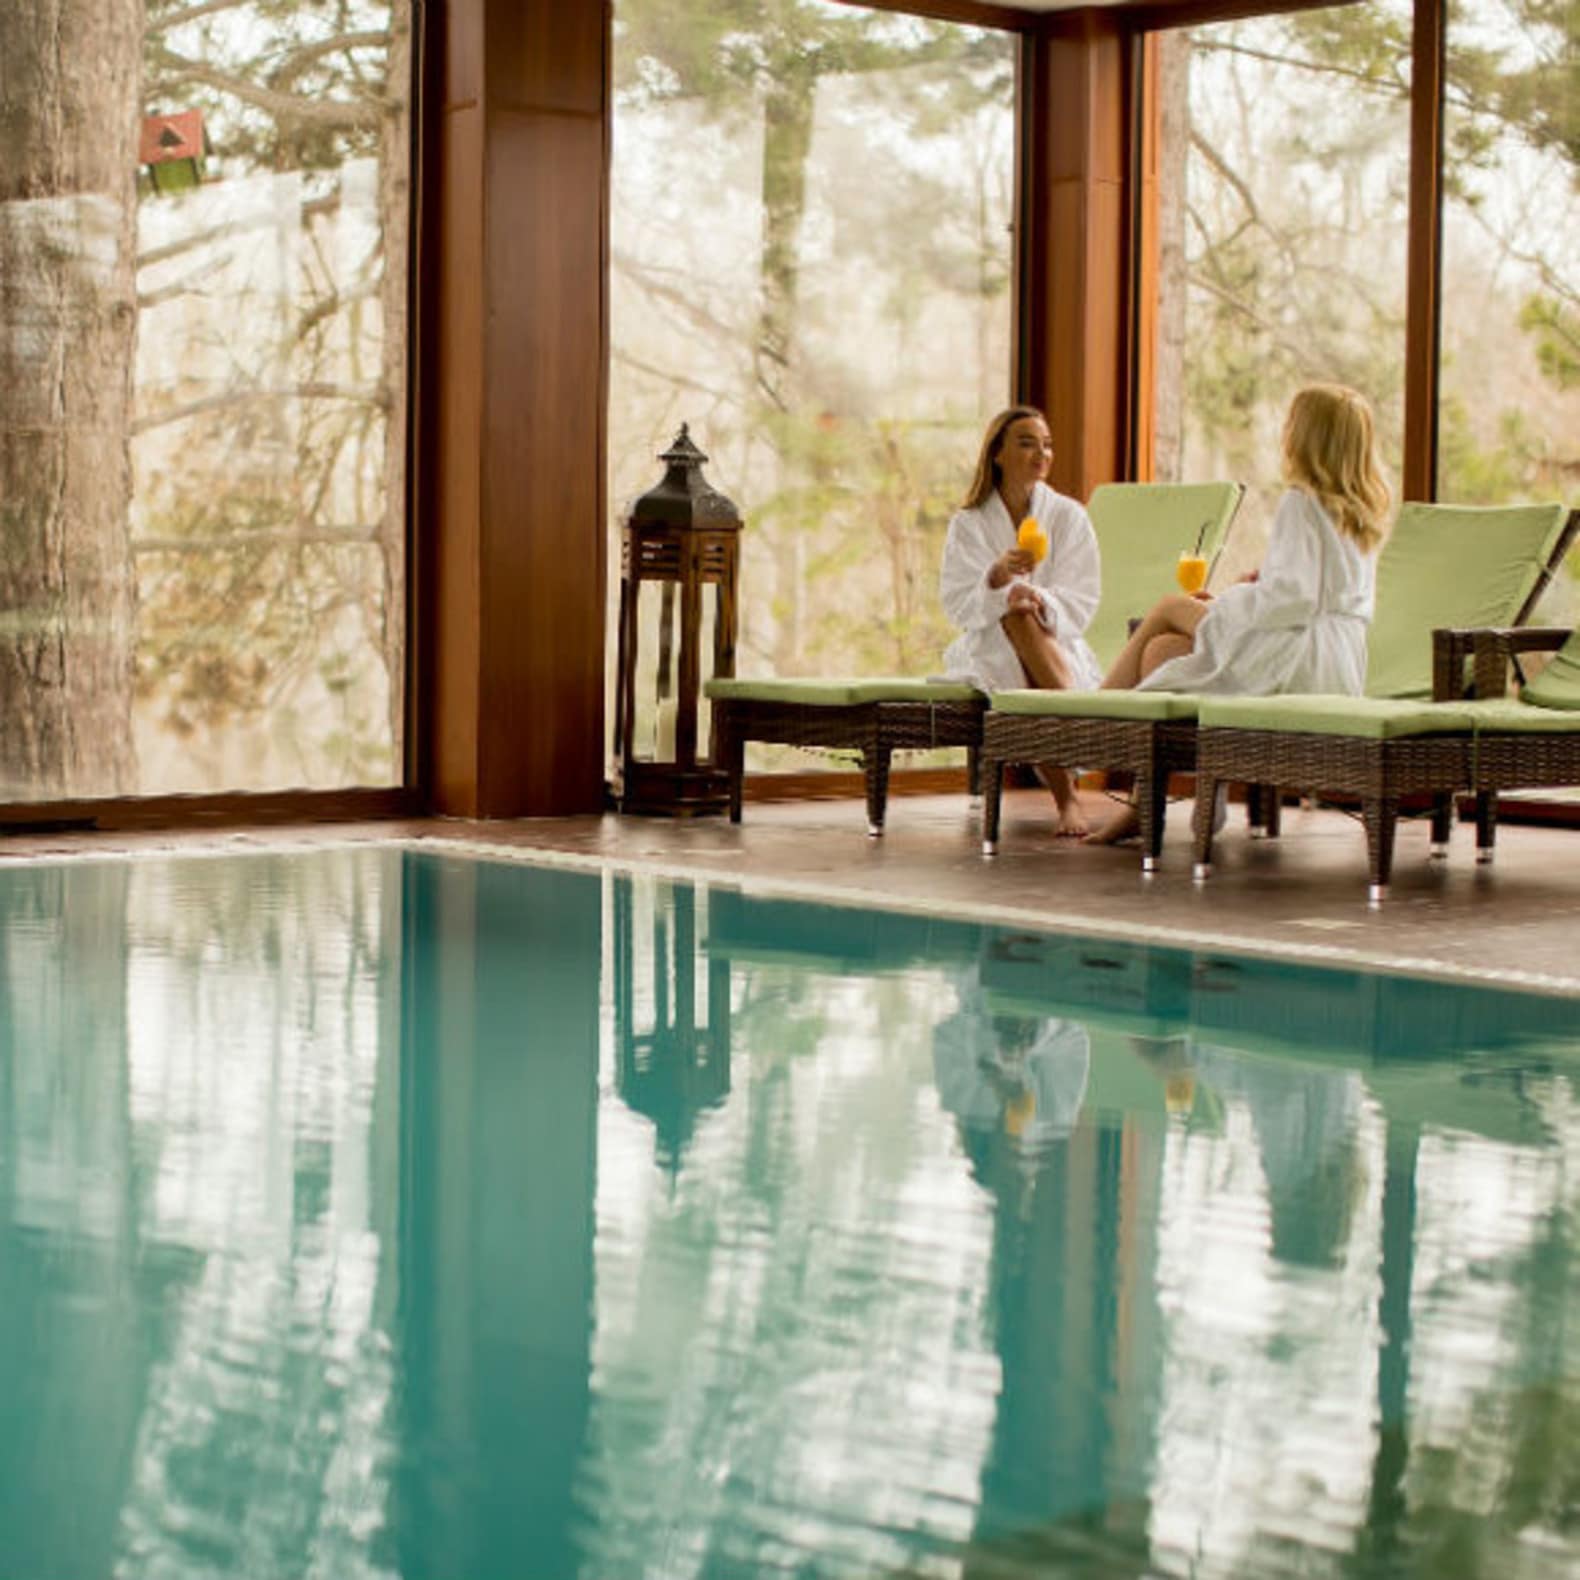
<point>191,13</point>
<point>305,55</point>
<point>312,391</point>
<point>284,107</point>
<point>224,542</point>
<point>1394,87</point>
<point>1222,166</point>
<point>312,209</point>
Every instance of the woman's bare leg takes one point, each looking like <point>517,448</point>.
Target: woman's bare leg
<point>1176,615</point>
<point>1040,656</point>
<point>1161,649</point>
<point>1126,822</point>
<point>1047,669</point>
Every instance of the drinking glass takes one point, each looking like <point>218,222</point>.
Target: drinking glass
<point>1191,572</point>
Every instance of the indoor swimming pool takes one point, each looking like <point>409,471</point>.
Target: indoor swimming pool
<point>369,1211</point>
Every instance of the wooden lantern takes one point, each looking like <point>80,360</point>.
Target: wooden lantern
<point>681,540</point>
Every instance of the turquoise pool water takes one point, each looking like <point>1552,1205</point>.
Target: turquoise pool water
<point>374,1213</point>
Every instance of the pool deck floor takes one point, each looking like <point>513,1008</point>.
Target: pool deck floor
<point>1301,896</point>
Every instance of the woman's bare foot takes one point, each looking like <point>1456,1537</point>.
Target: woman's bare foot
<point>1072,822</point>
<point>1124,824</point>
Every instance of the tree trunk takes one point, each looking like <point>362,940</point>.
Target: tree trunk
<point>70,72</point>
<point>1168,442</point>
<point>394,209</point>
<point>787,144</point>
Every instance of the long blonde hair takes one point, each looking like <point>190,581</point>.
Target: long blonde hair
<point>987,472</point>
<point>1330,451</point>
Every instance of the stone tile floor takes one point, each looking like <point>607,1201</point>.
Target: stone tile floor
<point>1303,895</point>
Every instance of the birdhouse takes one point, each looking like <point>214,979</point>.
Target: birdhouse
<point>678,572</point>
<point>172,149</point>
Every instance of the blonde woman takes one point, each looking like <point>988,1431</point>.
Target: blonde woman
<point>1022,619</point>
<point>1300,623</point>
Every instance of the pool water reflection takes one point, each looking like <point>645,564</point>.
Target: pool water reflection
<point>369,1212</point>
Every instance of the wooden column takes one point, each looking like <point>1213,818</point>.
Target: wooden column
<point>511,381</point>
<point>1075,204</point>
<point>1421,343</point>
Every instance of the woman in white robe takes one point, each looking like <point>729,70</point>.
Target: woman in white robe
<point>1021,620</point>
<point>1300,626</point>
<point>1300,623</point>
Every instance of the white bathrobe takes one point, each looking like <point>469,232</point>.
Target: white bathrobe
<point>1301,626</point>
<point>1067,581</point>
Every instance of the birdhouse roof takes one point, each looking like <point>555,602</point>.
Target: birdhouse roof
<point>167,137</point>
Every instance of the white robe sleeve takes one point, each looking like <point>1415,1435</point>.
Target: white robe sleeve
<point>1069,581</point>
<point>963,590</point>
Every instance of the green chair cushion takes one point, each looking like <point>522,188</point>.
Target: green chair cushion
<point>1138,705</point>
<point>1370,718</point>
<point>1505,716</point>
<point>1451,565</point>
<point>841,691</point>
<point>1141,529</point>
<point>1558,685</point>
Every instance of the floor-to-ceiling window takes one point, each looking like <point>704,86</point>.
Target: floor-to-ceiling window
<point>203,243</point>
<point>811,265</point>
<point>1509,406</point>
<point>1283,161</point>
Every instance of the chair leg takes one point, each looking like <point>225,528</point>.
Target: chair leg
<point>1381,816</point>
<point>973,772</point>
<point>1486,824</point>
<point>1272,810</point>
<point>1442,823</point>
<point>1201,825</point>
<point>1152,790</point>
<point>731,746</point>
<point>1253,809</point>
<point>992,771</point>
<point>875,765</point>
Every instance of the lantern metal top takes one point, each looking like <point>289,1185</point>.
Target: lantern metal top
<point>683,497</point>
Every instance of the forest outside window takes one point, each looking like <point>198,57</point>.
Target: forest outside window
<point>811,265</point>
<point>1283,172</point>
<point>203,243</point>
<point>1509,408</point>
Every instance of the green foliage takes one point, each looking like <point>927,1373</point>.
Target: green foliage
<point>853,474</point>
<point>1554,325</point>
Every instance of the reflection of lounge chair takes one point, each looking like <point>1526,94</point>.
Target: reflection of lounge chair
<point>1141,528</point>
<point>1383,751</point>
<point>1444,568</point>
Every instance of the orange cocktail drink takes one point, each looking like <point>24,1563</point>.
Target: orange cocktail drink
<point>1191,572</point>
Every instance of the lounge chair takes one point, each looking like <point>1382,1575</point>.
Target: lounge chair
<point>1141,528</point>
<point>1444,568</point>
<point>1381,750</point>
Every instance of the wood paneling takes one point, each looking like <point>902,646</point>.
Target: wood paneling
<point>1142,315</point>
<point>543,485</point>
<point>1074,263</point>
<point>976,12</point>
<point>1419,479</point>
<point>547,56</point>
<point>512,318</point>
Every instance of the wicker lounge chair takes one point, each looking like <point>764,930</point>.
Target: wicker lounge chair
<point>1382,751</point>
<point>1449,569</point>
<point>1141,528</point>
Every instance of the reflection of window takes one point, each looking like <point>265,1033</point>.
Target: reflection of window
<point>811,264</point>
<point>1281,231</point>
<point>267,513</point>
<point>1510,379</point>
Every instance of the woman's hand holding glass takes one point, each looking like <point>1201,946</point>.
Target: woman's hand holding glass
<point>1010,564</point>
